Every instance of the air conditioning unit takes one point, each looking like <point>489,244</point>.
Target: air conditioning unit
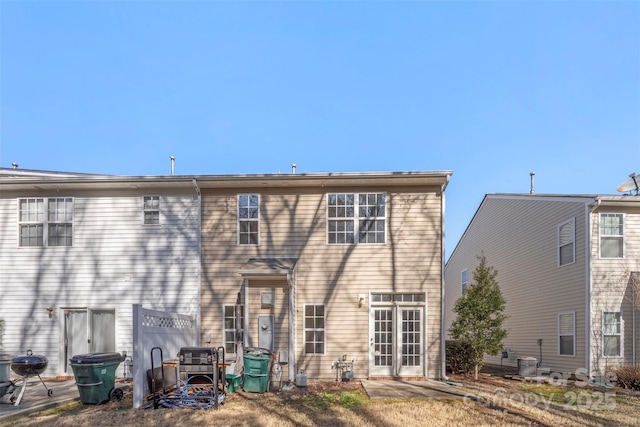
<point>527,366</point>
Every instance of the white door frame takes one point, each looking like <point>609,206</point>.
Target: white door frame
<point>387,341</point>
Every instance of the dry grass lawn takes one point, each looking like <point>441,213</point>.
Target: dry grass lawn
<point>500,402</point>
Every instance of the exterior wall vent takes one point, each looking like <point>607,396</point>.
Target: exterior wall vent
<point>266,299</point>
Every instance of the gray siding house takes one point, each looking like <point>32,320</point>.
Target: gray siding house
<point>568,267</point>
<point>78,250</point>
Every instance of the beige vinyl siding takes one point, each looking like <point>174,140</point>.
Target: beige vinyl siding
<point>518,236</point>
<point>115,261</point>
<point>613,287</point>
<point>293,224</point>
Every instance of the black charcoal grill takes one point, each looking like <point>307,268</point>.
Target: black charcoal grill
<point>29,365</point>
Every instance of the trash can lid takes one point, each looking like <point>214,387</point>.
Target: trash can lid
<point>96,358</point>
<point>257,350</point>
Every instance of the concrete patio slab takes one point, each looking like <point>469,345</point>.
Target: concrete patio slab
<point>428,389</point>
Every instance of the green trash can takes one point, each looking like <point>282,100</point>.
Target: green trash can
<point>95,375</point>
<point>257,368</point>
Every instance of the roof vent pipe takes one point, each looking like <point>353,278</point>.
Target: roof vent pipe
<point>173,162</point>
<point>293,168</point>
<point>532,175</point>
<point>15,165</point>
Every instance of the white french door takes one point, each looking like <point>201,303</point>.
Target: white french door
<point>396,340</point>
<point>86,331</point>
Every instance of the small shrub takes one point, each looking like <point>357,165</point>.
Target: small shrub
<point>458,357</point>
<point>628,377</point>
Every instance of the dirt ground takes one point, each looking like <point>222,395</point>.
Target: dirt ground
<point>493,400</point>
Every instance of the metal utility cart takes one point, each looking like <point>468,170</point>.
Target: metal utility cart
<point>197,379</point>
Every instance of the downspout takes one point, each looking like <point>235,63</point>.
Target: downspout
<point>245,285</point>
<point>633,318</point>
<point>199,272</point>
<point>292,327</point>
<point>591,208</point>
<point>443,367</point>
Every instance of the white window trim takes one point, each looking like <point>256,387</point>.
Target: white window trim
<point>464,280</point>
<point>573,313</point>
<point>573,241</point>
<point>238,219</point>
<point>356,218</point>
<point>621,334</point>
<point>623,236</point>
<point>145,210</point>
<point>45,222</point>
<point>305,329</point>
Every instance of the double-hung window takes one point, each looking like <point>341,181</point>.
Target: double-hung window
<point>314,328</point>
<point>233,327</point>
<point>356,218</point>
<point>248,219</point>
<point>567,333</point>
<point>611,333</point>
<point>151,208</point>
<point>45,221</point>
<point>566,242</point>
<point>611,235</point>
<point>463,280</point>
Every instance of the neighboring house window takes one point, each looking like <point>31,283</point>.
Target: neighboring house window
<point>567,334</point>
<point>352,214</point>
<point>151,209</point>
<point>611,235</point>
<point>463,280</point>
<point>45,222</point>
<point>314,328</point>
<point>233,323</point>
<point>566,242</point>
<point>611,333</point>
<point>248,219</point>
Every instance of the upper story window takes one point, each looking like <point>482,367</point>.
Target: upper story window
<point>45,221</point>
<point>248,219</point>
<point>463,280</point>
<point>151,209</point>
<point>611,235</point>
<point>566,242</point>
<point>352,214</point>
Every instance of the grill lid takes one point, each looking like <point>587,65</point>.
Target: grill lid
<point>31,364</point>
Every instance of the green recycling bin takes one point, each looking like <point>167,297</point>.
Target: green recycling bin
<point>95,375</point>
<point>257,368</point>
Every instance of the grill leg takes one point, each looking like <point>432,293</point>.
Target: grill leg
<point>49,392</point>
<point>24,385</point>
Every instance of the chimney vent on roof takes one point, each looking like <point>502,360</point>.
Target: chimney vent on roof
<point>173,162</point>
<point>293,168</point>
<point>15,165</point>
<point>532,175</point>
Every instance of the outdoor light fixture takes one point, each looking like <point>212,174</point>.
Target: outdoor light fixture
<point>360,300</point>
<point>50,311</point>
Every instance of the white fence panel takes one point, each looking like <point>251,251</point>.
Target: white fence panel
<point>153,328</point>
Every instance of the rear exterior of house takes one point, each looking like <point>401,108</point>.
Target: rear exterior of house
<point>79,250</point>
<point>556,265</point>
<point>319,268</point>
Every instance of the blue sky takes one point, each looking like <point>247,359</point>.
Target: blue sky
<point>490,90</point>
